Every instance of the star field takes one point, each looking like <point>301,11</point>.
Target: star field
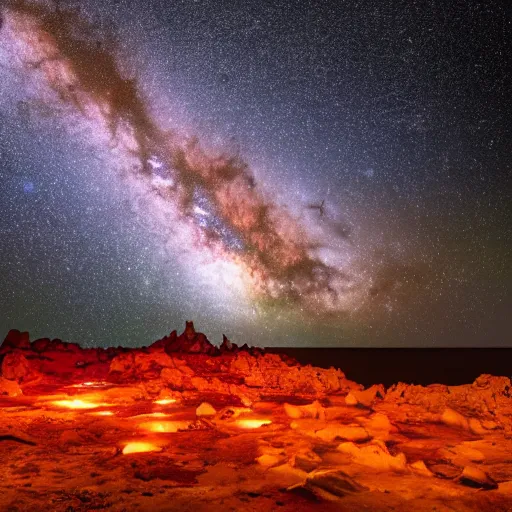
<point>287,174</point>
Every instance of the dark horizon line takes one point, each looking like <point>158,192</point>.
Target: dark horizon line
<point>299,347</point>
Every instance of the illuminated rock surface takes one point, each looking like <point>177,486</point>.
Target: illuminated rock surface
<point>186,425</point>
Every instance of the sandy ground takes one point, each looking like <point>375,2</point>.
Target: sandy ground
<point>71,459</point>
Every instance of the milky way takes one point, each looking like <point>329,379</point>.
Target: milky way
<point>228,227</point>
<point>232,217</point>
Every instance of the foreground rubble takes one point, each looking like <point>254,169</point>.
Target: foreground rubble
<point>184,425</point>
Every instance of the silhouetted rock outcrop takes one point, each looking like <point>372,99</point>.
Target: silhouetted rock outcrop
<point>191,342</point>
<point>227,346</point>
<point>15,339</point>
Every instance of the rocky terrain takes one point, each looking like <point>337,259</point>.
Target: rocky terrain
<point>185,425</point>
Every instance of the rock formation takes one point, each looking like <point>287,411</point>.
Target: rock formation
<point>228,427</point>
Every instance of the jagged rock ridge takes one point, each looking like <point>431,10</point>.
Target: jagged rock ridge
<point>185,362</point>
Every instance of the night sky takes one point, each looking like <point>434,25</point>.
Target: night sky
<point>287,173</point>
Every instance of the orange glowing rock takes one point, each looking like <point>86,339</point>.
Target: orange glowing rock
<point>205,409</point>
<point>420,468</point>
<point>164,426</point>
<point>375,455</point>
<point>165,401</point>
<point>251,423</point>
<point>76,404</point>
<point>268,460</point>
<point>314,410</point>
<point>140,447</point>
<point>151,415</point>
<point>89,384</point>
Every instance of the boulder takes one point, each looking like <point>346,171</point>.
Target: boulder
<point>306,461</point>
<point>348,432</point>
<point>335,482</point>
<point>444,470</point>
<point>205,409</point>
<point>454,419</point>
<point>268,460</point>
<point>287,475</point>
<point>475,477</point>
<point>374,455</point>
<point>313,410</point>
<point>365,397</point>
<point>419,468</point>
<point>461,454</point>
<point>270,455</point>
<point>377,425</point>
<point>338,412</point>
